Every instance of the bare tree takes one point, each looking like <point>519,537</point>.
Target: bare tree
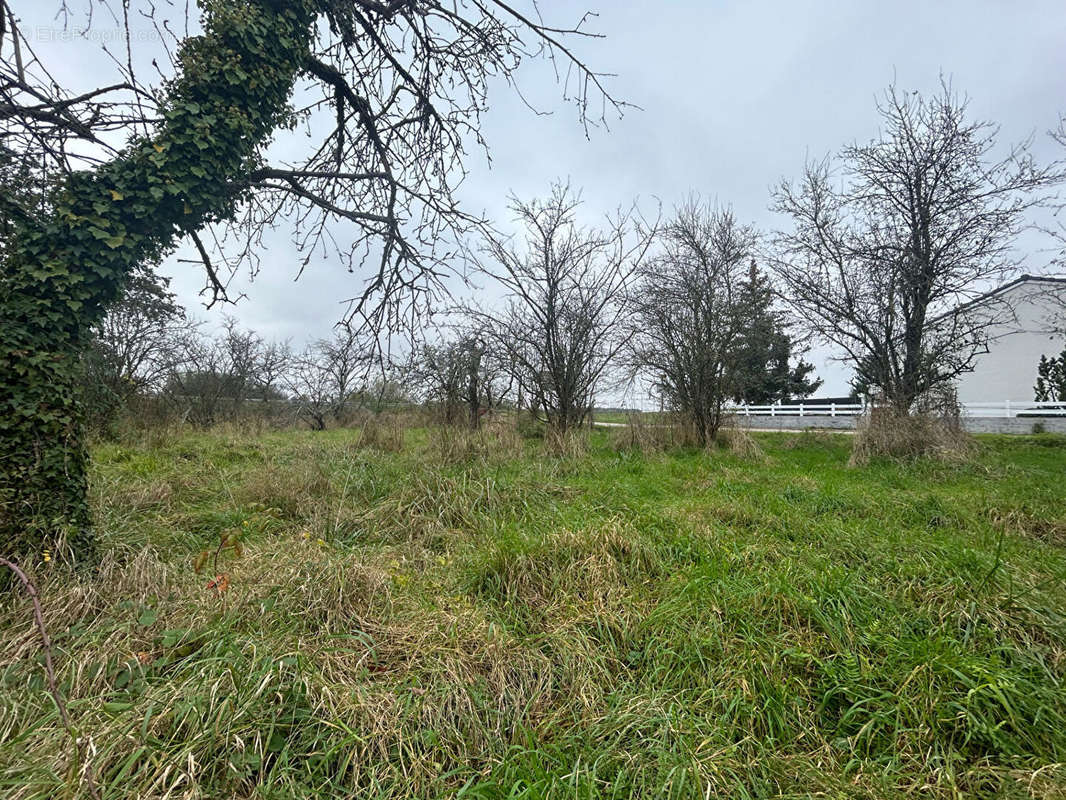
<point>330,377</point>
<point>311,386</point>
<point>688,323</point>
<point>132,350</point>
<point>1055,297</point>
<point>390,95</point>
<point>134,346</point>
<point>348,359</point>
<point>198,383</point>
<point>242,351</point>
<point>439,372</point>
<point>882,259</point>
<point>566,294</point>
<point>461,377</point>
<point>213,377</point>
<point>1058,205</point>
<point>274,361</point>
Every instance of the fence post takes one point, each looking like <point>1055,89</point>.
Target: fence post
<point>771,409</point>
<point>1006,409</point>
<point>832,409</point>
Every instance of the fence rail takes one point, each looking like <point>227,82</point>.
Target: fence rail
<point>1003,408</point>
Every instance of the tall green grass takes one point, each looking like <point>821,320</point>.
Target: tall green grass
<point>422,616</point>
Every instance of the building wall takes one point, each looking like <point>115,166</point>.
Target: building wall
<point>1008,370</point>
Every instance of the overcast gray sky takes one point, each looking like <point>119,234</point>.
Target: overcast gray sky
<point>734,94</point>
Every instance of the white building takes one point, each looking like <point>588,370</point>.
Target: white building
<point>1007,372</point>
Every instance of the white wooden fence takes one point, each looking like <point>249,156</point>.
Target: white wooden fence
<point>1004,409</point>
<point>799,410</point>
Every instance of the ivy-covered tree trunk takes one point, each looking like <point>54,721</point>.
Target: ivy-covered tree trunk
<point>62,270</point>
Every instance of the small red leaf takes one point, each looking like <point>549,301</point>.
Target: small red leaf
<point>219,584</point>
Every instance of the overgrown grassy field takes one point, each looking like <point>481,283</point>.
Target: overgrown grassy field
<point>482,619</point>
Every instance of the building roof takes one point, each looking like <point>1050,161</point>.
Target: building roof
<point>1018,280</point>
<point>1056,279</point>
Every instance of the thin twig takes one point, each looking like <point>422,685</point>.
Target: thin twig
<point>49,668</point>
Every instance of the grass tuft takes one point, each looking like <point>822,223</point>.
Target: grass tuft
<point>887,434</point>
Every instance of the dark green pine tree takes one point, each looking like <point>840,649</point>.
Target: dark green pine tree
<point>764,371</point>
<point>1051,379</point>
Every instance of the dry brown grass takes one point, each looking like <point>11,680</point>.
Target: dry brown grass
<point>672,432</point>
<point>571,444</point>
<point>295,489</point>
<point>1025,523</point>
<point>371,660</point>
<point>811,438</point>
<point>886,434</point>
<point>384,432</point>
<point>598,566</point>
<point>665,433</point>
<point>493,440</point>
<point>685,627</point>
<point>739,441</point>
